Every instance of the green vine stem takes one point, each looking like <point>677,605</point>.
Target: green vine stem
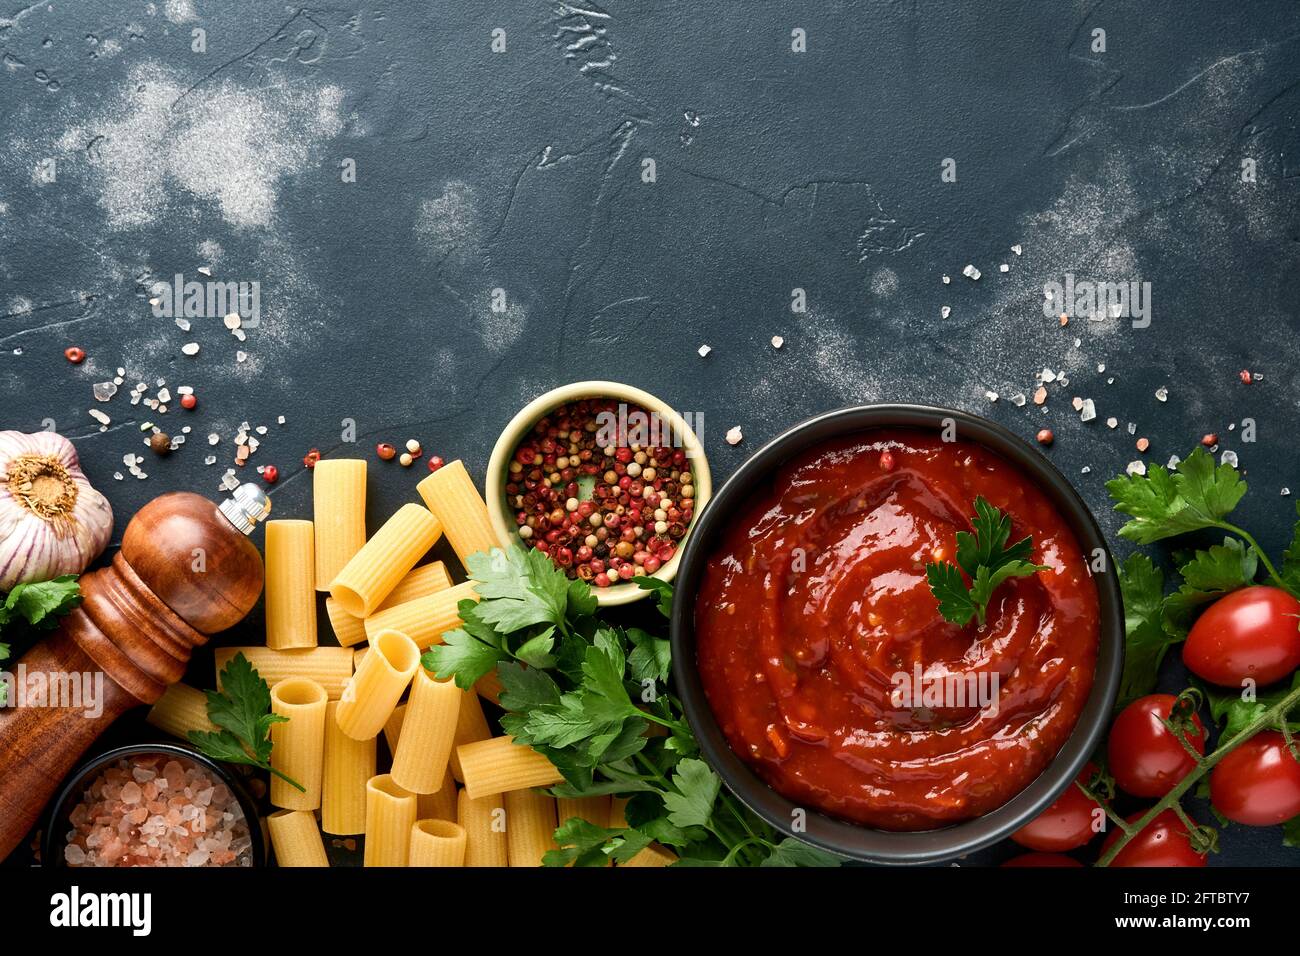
<point>1270,717</point>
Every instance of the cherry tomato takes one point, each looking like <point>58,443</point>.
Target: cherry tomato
<point>1252,633</point>
<point>1145,758</point>
<point>1042,859</point>
<point>1065,825</point>
<point>1258,783</point>
<point>1163,842</point>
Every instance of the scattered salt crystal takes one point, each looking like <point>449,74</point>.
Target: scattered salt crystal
<point>232,321</point>
<point>1229,458</point>
<point>280,420</point>
<point>1004,268</point>
<point>1086,470</point>
<point>1132,429</point>
<point>165,396</point>
<point>1017,249</point>
<point>1138,467</point>
<point>945,312</point>
<point>704,350</point>
<point>1162,394</point>
<point>99,416</point>
<point>970,272</point>
<point>103,391</point>
<point>1110,381</point>
<point>183,324</point>
<point>210,460</point>
<point>1047,375</point>
<point>777,342</point>
<point>117,475</point>
<point>1285,492</point>
<point>991,396</point>
<point>1112,423</point>
<point>241,356</point>
<point>1076,403</point>
<point>734,436</point>
<point>261,430</point>
<point>205,270</point>
<point>1088,411</point>
<point>190,348</point>
<point>947,279</point>
<point>239,335</point>
<point>213,438</point>
<point>1018,399</point>
<point>1172,463</point>
<point>1101,366</point>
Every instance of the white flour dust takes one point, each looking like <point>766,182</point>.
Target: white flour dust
<point>180,11</point>
<point>448,226</point>
<point>232,145</point>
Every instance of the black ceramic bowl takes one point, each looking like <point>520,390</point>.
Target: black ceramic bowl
<point>74,786</point>
<point>836,835</point>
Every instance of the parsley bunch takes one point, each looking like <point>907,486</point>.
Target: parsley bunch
<point>38,605</point>
<point>987,561</point>
<point>593,698</point>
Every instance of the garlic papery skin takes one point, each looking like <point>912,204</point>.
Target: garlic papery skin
<point>52,521</point>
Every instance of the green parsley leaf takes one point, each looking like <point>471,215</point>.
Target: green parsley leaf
<point>696,788</point>
<point>791,852</point>
<point>651,657</point>
<point>41,603</point>
<point>986,559</point>
<point>1291,557</point>
<point>524,688</point>
<point>1291,833</point>
<point>664,589</point>
<point>1208,576</point>
<point>602,669</point>
<point>463,656</point>
<point>242,711</point>
<point>536,651</point>
<point>1146,639</point>
<point>1196,495</point>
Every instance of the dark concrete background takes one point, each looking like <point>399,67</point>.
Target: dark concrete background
<point>522,171</point>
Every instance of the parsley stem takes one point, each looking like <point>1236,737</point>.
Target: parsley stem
<point>1268,718</point>
<point>287,779</point>
<point>1262,555</point>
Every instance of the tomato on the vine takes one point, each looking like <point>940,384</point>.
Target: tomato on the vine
<point>1042,859</point>
<point>1146,759</point>
<point>1258,783</point>
<point>1066,824</point>
<point>1163,842</point>
<point>1252,633</point>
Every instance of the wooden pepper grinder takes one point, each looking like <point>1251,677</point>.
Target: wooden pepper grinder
<point>186,570</point>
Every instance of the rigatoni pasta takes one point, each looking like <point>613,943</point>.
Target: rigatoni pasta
<point>348,630</point>
<point>530,826</point>
<point>419,582</point>
<point>427,733</point>
<point>450,494</point>
<point>180,710</point>
<point>653,855</point>
<point>298,743</point>
<point>296,839</point>
<point>393,727</point>
<point>441,804</point>
<point>339,500</point>
<point>437,843</point>
<point>594,810</point>
<point>390,814</point>
<point>484,823</point>
<point>425,619</point>
<point>331,667</point>
<point>376,688</point>
<point>374,571</point>
<point>499,765</point>
<point>349,765</point>
<point>290,584</point>
<point>471,726</point>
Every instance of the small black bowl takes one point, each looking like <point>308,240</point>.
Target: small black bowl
<point>75,784</point>
<point>852,839</point>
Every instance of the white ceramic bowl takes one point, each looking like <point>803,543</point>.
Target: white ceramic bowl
<point>503,519</point>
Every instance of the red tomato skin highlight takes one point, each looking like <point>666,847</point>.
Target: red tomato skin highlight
<point>1042,859</point>
<point>1252,633</point>
<point>1258,784</point>
<point>1145,758</point>
<point>1163,842</point>
<point>1065,825</point>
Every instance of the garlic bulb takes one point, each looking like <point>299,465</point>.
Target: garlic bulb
<point>52,521</point>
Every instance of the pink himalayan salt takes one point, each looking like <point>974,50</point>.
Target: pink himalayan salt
<point>137,813</point>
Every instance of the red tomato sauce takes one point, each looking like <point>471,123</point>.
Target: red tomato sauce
<point>816,598</point>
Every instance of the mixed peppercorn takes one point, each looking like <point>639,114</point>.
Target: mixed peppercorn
<point>631,520</point>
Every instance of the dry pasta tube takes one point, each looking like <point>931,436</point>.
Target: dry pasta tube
<point>498,765</point>
<point>331,667</point>
<point>594,810</point>
<point>441,804</point>
<point>376,688</point>
<point>385,559</point>
<point>471,726</point>
<point>298,744</point>
<point>349,765</point>
<point>425,619</point>
<point>393,727</point>
<point>489,687</point>
<point>437,843</point>
<point>530,826</point>
<point>290,585</point>
<point>419,582</point>
<point>390,814</point>
<point>348,630</point>
<point>617,813</point>
<point>427,733</point>
<point>653,855</point>
<point>296,839</point>
<point>339,500</point>
<point>484,822</point>
<point>358,656</point>
<point>450,494</point>
<point>180,710</point>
